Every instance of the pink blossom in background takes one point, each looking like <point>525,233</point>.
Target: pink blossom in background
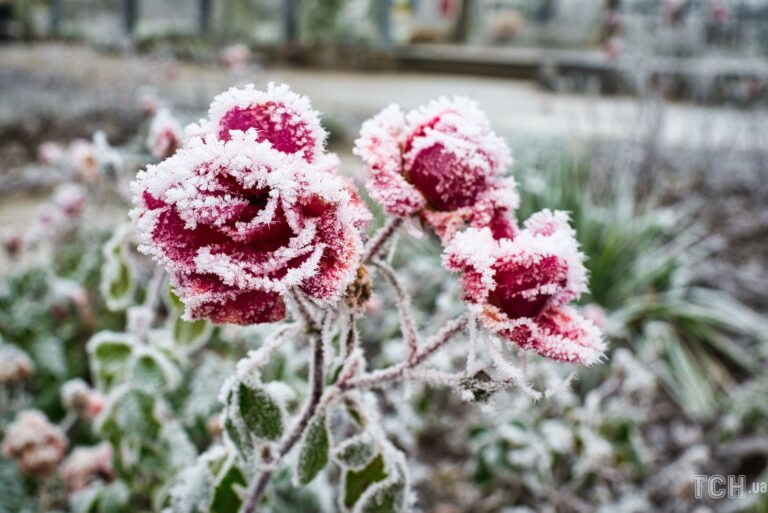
<point>441,162</point>
<point>70,201</point>
<point>50,153</point>
<point>15,365</point>
<point>87,464</point>
<point>81,158</point>
<point>251,209</point>
<point>236,56</point>
<point>79,397</point>
<point>519,287</point>
<point>165,134</point>
<point>34,443</point>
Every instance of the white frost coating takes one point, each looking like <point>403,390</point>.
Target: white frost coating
<point>298,107</point>
<point>193,183</point>
<point>460,115</point>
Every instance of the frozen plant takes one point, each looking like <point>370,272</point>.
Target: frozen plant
<point>254,223</point>
<point>86,464</point>
<point>37,445</point>
<point>15,364</point>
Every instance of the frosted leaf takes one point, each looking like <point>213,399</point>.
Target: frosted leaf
<point>108,355</point>
<point>117,282</point>
<point>314,451</point>
<point>356,452</point>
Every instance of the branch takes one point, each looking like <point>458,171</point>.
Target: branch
<point>305,311</point>
<point>256,491</point>
<point>410,335</point>
<point>383,377</point>
<point>380,239</point>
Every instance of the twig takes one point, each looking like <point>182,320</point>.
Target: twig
<point>304,311</point>
<point>383,377</point>
<point>256,491</point>
<point>380,238</point>
<point>408,326</point>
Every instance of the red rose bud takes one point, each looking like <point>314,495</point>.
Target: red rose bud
<point>519,287</point>
<point>442,162</point>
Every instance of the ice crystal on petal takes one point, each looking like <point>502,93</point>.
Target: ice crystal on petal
<point>237,223</point>
<point>520,285</point>
<point>441,161</point>
<point>279,116</point>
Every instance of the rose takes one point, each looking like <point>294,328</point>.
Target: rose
<point>37,445</point>
<point>239,218</point>
<point>518,287</point>
<point>279,116</point>
<point>165,134</point>
<point>441,162</point>
<point>87,464</point>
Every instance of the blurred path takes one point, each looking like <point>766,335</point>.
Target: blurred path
<point>60,79</point>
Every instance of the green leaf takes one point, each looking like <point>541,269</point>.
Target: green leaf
<point>386,497</point>
<point>117,281</point>
<point>85,501</point>
<point>357,481</point>
<point>132,415</point>
<point>109,356</point>
<point>235,437</point>
<point>191,334</point>
<point>260,412</point>
<point>313,455</point>
<point>113,498</point>
<point>154,372</point>
<point>356,452</point>
<point>226,497</point>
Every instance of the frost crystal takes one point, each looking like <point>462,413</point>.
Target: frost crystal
<point>37,445</point>
<point>240,217</point>
<point>519,286</point>
<point>279,116</point>
<point>442,162</point>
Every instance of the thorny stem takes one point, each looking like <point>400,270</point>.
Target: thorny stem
<point>256,491</point>
<point>380,239</point>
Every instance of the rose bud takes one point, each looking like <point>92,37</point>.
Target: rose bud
<point>519,287</point>
<point>165,135</point>
<point>442,163</point>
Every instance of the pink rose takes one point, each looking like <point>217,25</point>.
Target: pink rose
<point>519,287</point>
<point>441,162</point>
<point>251,208</point>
